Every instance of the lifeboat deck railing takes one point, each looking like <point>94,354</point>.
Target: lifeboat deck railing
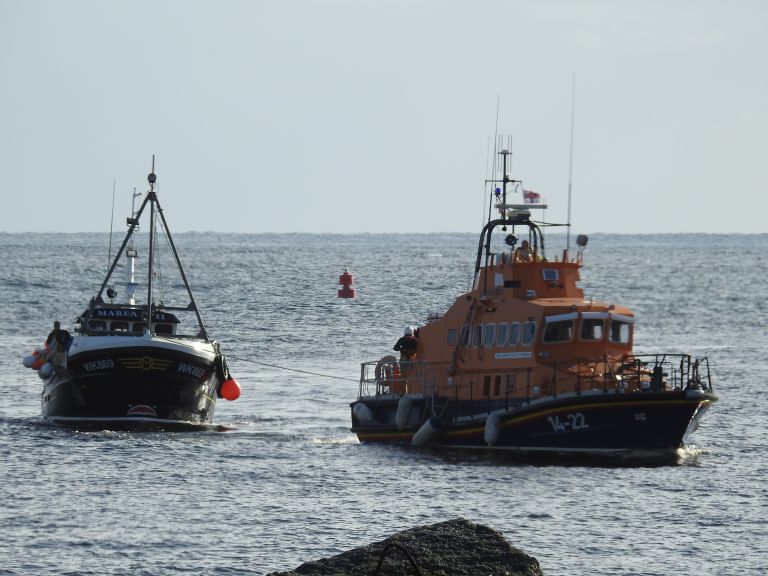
<point>389,376</point>
<point>508,389</point>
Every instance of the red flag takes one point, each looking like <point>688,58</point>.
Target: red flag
<point>531,197</point>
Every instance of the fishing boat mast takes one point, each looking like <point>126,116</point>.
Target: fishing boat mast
<point>152,198</point>
<point>155,209</point>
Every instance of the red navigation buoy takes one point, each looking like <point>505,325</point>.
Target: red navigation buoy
<point>347,283</point>
<point>230,389</point>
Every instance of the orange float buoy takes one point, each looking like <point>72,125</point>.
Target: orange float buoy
<point>230,389</point>
<point>346,281</point>
<point>40,360</point>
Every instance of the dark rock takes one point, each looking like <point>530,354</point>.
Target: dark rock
<point>454,548</point>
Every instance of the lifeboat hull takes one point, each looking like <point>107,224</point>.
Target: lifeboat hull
<point>601,423</point>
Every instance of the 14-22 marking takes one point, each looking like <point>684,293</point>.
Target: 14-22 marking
<point>574,421</point>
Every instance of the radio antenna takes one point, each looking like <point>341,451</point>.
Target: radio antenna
<point>570,162</point>
<point>495,151</point>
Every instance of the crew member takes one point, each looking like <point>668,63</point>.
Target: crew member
<point>524,253</point>
<point>58,341</point>
<point>407,345</point>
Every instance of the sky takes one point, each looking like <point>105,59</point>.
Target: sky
<point>347,116</point>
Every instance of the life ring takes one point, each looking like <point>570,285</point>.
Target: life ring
<point>385,369</point>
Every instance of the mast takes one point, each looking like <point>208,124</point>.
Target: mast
<point>131,253</point>
<point>152,196</point>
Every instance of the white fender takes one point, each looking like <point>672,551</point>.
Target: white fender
<point>403,412</point>
<point>28,361</point>
<point>427,433</point>
<point>362,412</point>
<point>492,428</point>
<point>46,370</point>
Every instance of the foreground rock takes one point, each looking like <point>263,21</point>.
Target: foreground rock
<point>453,548</point>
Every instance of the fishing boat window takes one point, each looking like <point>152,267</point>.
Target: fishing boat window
<point>514,333</point>
<point>163,329</point>
<point>620,332</point>
<point>97,325</point>
<point>490,335</point>
<point>119,327</point>
<point>561,331</point>
<point>452,336</point>
<point>591,329</point>
<point>501,334</point>
<point>529,331</point>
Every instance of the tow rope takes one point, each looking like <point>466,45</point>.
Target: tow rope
<point>291,369</point>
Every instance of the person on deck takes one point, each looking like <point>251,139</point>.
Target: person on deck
<point>407,345</point>
<point>57,342</point>
<point>524,253</point>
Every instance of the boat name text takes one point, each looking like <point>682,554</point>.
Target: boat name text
<point>93,365</point>
<point>195,371</point>
<point>117,313</point>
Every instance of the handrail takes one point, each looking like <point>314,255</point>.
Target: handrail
<point>644,373</point>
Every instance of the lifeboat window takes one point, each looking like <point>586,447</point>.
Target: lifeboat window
<point>561,331</point>
<point>138,327</point>
<point>514,333</point>
<point>591,329</point>
<point>550,274</point>
<point>490,335</point>
<point>620,332</point>
<point>119,327</point>
<point>451,336</point>
<point>163,329</point>
<point>529,331</point>
<point>465,334</point>
<point>501,334</point>
<point>97,325</point>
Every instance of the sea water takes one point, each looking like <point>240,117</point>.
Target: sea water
<point>290,483</point>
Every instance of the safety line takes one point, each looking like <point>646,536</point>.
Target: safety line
<point>291,369</point>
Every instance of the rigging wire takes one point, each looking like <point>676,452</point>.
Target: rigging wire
<point>156,256</point>
<point>290,369</point>
<point>111,223</point>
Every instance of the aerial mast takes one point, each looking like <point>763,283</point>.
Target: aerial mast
<point>570,165</point>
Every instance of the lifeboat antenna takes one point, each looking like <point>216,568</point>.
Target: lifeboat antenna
<point>570,164</point>
<point>496,143</point>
